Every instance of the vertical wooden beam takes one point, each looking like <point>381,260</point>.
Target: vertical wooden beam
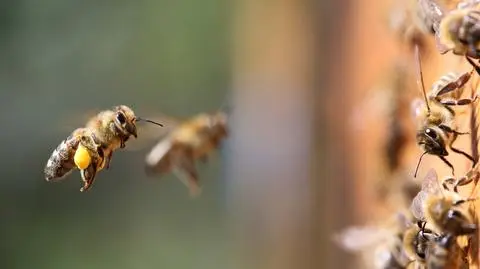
<point>271,141</point>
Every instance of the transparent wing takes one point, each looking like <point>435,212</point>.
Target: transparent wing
<point>430,183</point>
<point>467,4</point>
<point>432,12</point>
<point>430,186</point>
<point>417,205</point>
<point>358,238</point>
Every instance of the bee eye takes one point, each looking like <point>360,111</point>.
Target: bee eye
<point>121,118</point>
<point>431,133</point>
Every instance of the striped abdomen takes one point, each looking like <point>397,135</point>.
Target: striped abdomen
<point>61,161</point>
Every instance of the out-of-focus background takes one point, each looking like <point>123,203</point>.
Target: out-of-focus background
<point>281,185</point>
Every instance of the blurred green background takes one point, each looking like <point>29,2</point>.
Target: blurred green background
<point>60,58</point>
<point>272,196</point>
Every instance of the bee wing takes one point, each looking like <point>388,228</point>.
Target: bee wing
<point>430,186</point>
<point>417,205</point>
<point>432,11</point>
<point>358,238</point>
<point>430,183</point>
<point>467,4</point>
<point>154,161</point>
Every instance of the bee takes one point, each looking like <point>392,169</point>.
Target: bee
<point>445,252</point>
<point>414,20</point>
<point>459,30</point>
<point>384,243</point>
<point>90,149</point>
<point>442,209</point>
<point>194,139</point>
<point>436,128</point>
<point>416,241</point>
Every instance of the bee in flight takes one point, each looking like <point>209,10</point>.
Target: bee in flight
<point>90,148</point>
<point>437,128</point>
<point>194,139</point>
<point>442,208</point>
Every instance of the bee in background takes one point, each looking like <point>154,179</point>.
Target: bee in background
<point>383,243</point>
<point>90,149</point>
<point>414,20</point>
<point>194,139</point>
<point>437,128</point>
<point>459,30</point>
<point>445,252</point>
<point>442,209</point>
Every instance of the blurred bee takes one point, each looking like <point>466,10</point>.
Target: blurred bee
<point>459,30</point>
<point>385,243</point>
<point>442,209</point>
<point>194,139</point>
<point>90,149</point>
<point>414,20</point>
<point>437,129</point>
<point>445,252</point>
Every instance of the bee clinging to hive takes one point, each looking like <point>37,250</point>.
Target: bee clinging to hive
<point>90,149</point>
<point>442,209</point>
<point>437,128</point>
<point>459,30</point>
<point>194,139</point>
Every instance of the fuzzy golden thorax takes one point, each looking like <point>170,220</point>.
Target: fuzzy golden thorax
<point>446,217</point>
<point>112,128</point>
<point>449,31</point>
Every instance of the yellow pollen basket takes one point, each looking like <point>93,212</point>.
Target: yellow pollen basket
<point>82,158</point>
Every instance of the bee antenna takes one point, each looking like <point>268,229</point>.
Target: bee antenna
<point>418,164</point>
<point>151,121</point>
<point>420,82</point>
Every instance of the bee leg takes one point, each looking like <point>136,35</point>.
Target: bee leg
<point>477,68</point>
<point>460,151</point>
<point>447,163</point>
<point>88,176</point>
<point>190,179</point>
<point>449,181</point>
<point>107,160</point>
<point>459,102</point>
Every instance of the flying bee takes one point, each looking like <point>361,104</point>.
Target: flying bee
<point>445,253</point>
<point>194,139</point>
<point>90,149</point>
<point>383,242</point>
<point>442,209</point>
<point>437,128</point>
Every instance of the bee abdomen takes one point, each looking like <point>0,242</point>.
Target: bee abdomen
<point>61,161</point>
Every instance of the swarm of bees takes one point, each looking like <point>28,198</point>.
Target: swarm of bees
<point>90,148</point>
<point>439,227</point>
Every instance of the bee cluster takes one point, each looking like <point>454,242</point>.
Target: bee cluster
<point>437,225</point>
<point>89,149</point>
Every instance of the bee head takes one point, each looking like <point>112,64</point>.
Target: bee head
<point>125,120</point>
<point>431,140</point>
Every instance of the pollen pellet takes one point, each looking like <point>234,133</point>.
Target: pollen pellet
<point>82,157</point>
